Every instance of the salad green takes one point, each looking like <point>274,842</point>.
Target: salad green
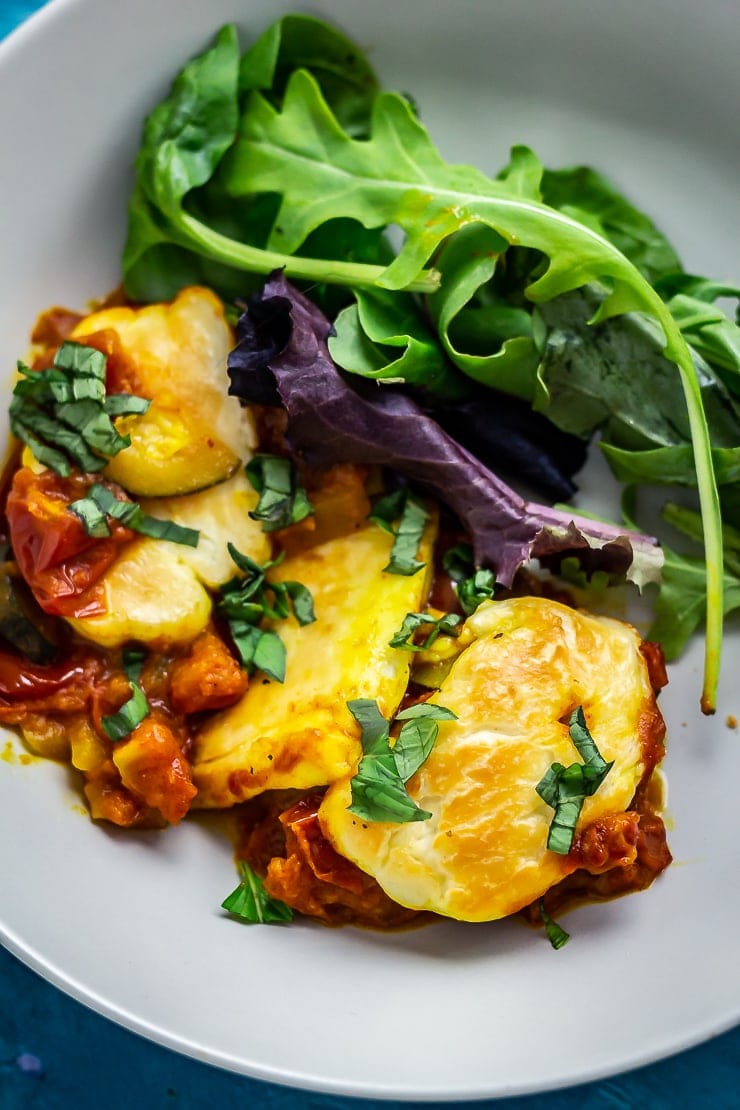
<point>547,285</point>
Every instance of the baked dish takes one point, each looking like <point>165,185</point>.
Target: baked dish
<point>197,617</point>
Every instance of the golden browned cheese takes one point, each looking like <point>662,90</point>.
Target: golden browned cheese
<point>483,853</point>
<point>193,434</point>
<point>300,734</point>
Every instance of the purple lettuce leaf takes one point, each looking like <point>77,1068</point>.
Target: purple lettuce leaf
<point>331,419</point>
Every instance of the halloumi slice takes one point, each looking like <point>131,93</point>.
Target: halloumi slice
<point>482,855</point>
<point>300,734</point>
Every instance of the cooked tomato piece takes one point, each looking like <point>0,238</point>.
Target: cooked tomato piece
<point>57,688</point>
<point>54,326</point>
<point>153,768</point>
<point>302,869</point>
<point>55,555</point>
<point>110,801</point>
<point>207,678</point>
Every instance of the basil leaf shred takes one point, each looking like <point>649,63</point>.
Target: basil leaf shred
<point>556,934</point>
<point>283,501</point>
<point>118,726</point>
<point>412,517</point>
<point>63,415</point>
<point>251,902</point>
<point>447,624</point>
<point>379,785</point>
<point>101,503</point>
<point>248,601</point>
<point>566,788</point>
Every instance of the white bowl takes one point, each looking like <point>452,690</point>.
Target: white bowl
<point>129,923</point>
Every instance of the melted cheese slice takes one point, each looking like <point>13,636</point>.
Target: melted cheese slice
<point>194,433</point>
<point>483,854</point>
<point>155,590</point>
<point>300,733</point>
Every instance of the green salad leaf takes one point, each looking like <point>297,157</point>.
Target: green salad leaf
<point>537,282</point>
<point>396,176</point>
<point>180,231</point>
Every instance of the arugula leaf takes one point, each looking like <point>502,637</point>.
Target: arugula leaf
<point>248,601</point>
<point>251,902</point>
<point>283,501</point>
<point>565,789</point>
<point>665,466</point>
<point>595,201</point>
<point>709,330</point>
<point>63,414</point>
<point>302,42</point>
<point>447,624</point>
<point>556,934</point>
<point>122,723</point>
<point>412,518</point>
<point>681,604</point>
<point>184,141</point>
<point>101,503</point>
<point>396,176</point>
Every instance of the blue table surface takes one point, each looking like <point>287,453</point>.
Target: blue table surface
<point>56,1054</point>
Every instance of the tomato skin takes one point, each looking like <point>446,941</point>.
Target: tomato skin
<point>24,681</point>
<point>55,555</point>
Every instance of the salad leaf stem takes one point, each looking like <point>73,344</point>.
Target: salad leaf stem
<point>359,275</point>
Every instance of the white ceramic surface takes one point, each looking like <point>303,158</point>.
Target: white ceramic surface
<point>130,924</point>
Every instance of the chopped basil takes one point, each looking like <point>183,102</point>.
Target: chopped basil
<point>259,649</point>
<point>101,503</point>
<point>413,746</point>
<point>378,794</point>
<point>125,404</point>
<point>426,709</point>
<point>566,788</point>
<point>133,661</point>
<point>412,622</point>
<point>472,584</point>
<point>121,724</point>
<point>379,784</point>
<point>556,934</point>
<point>283,501</point>
<point>404,507</point>
<point>63,415</point>
<point>248,601</point>
<point>375,728</point>
<point>251,902</point>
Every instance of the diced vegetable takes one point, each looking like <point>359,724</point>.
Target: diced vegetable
<point>149,595</point>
